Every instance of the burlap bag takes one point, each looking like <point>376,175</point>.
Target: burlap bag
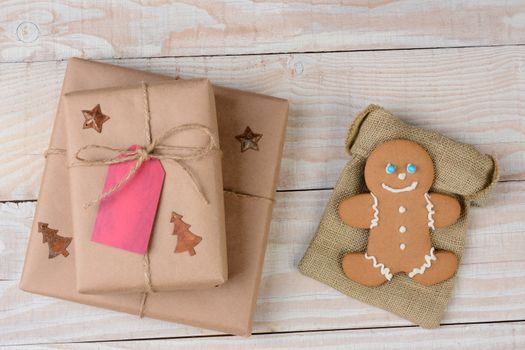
<point>460,170</point>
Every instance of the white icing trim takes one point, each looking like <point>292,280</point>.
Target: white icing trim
<point>428,262</point>
<point>385,271</point>
<point>431,212</point>
<point>398,190</point>
<point>375,220</point>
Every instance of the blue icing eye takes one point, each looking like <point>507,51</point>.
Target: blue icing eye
<point>411,168</point>
<point>390,169</point>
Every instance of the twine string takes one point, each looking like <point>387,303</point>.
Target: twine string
<point>154,149</point>
<point>53,151</point>
<point>147,283</point>
<point>143,304</point>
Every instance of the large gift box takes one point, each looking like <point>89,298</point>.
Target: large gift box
<point>175,124</point>
<point>251,132</point>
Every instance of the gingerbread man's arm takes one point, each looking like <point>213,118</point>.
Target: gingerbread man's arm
<point>357,211</point>
<point>447,209</point>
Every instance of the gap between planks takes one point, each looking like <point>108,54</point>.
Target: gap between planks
<point>514,330</point>
<point>21,201</point>
<point>114,60</point>
<point>488,289</point>
<point>137,29</point>
<point>482,107</point>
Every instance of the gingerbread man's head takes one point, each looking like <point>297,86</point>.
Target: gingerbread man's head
<point>399,166</point>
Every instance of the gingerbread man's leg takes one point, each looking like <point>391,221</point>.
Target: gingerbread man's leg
<point>365,269</point>
<point>438,267</point>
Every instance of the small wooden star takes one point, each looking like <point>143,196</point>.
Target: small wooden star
<point>249,140</point>
<point>94,119</point>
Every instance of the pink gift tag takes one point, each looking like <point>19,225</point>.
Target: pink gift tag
<point>125,218</point>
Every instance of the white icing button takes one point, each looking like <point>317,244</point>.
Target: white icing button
<point>402,246</point>
<point>402,229</point>
<point>402,209</point>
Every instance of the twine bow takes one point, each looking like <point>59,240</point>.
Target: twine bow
<point>154,149</point>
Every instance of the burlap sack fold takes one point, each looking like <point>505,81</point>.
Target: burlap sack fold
<point>460,170</point>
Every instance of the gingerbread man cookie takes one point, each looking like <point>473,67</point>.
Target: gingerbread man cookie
<point>400,213</point>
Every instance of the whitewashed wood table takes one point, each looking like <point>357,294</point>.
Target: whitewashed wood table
<point>454,66</point>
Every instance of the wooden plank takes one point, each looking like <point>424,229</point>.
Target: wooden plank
<point>491,283</point>
<point>15,225</point>
<point>455,337</point>
<point>52,30</point>
<point>472,95</point>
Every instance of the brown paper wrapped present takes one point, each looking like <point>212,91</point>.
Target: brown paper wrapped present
<point>249,177</point>
<point>181,120</point>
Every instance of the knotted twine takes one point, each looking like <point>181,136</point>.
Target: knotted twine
<point>154,149</point>
<point>146,263</point>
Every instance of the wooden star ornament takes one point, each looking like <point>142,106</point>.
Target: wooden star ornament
<point>94,119</point>
<point>57,244</point>
<point>249,140</point>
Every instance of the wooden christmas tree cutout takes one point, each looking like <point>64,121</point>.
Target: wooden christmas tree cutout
<point>57,244</point>
<point>186,240</point>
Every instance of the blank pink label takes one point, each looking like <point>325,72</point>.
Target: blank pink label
<point>125,218</point>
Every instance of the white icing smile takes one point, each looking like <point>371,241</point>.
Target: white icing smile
<point>398,190</point>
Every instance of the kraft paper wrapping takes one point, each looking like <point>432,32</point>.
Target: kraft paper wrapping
<point>461,171</point>
<point>228,308</point>
<point>102,268</point>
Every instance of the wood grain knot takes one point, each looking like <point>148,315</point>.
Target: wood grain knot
<point>27,32</point>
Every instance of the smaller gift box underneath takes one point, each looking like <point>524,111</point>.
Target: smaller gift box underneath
<point>163,138</point>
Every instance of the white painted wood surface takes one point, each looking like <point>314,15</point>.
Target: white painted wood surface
<point>484,107</point>
<point>52,30</point>
<point>462,74</point>
<point>455,337</point>
<point>491,282</point>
